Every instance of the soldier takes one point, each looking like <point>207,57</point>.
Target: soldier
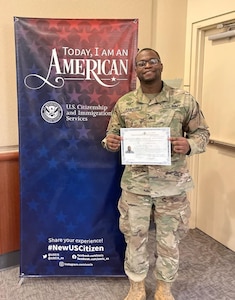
<point>156,187</point>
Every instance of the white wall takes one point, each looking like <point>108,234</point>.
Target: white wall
<point>170,36</point>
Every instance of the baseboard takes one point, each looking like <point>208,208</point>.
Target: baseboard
<point>9,259</point>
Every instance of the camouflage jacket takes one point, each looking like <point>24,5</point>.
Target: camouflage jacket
<point>172,108</point>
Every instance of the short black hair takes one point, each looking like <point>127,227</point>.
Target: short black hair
<point>147,49</point>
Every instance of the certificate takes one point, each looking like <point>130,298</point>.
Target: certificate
<point>145,146</point>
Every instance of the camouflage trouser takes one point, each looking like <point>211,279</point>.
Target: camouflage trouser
<point>171,216</point>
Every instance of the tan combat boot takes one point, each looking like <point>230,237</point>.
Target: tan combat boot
<point>163,291</point>
<point>137,291</point>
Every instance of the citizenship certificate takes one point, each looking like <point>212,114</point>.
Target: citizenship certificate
<point>145,146</point>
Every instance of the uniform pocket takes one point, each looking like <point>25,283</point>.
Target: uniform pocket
<point>123,219</point>
<point>184,222</point>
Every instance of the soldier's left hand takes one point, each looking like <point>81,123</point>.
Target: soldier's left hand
<point>180,145</point>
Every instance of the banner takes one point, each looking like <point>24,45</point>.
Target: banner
<point>70,73</point>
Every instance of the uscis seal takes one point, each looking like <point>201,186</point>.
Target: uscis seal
<point>51,112</point>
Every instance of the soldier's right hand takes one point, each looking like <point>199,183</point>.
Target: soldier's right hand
<point>113,142</point>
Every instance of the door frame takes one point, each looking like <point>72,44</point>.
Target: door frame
<point>195,77</point>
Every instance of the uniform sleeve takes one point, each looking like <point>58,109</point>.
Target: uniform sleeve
<point>114,125</point>
<point>116,122</point>
<point>196,128</point>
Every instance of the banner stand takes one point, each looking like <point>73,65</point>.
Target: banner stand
<point>70,74</point>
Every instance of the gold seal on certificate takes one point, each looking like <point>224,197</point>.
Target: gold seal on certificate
<point>145,146</point>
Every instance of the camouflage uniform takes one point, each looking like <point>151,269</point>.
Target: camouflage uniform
<point>163,186</point>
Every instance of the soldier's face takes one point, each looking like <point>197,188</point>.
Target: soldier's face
<point>148,66</point>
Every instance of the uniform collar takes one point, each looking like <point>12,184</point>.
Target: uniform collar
<point>161,97</point>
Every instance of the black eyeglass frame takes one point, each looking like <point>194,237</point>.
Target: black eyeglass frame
<point>151,61</point>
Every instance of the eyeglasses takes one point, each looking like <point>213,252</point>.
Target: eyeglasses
<point>151,62</point>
